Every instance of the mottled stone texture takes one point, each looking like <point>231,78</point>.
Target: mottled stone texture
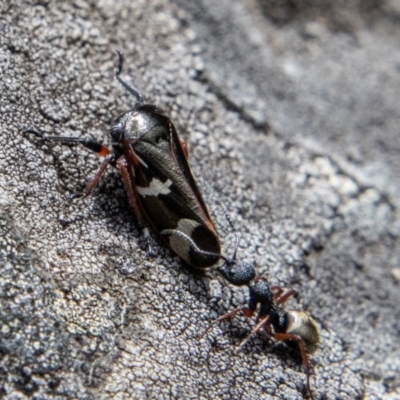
<point>291,113</point>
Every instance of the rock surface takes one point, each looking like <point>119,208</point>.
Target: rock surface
<point>290,111</point>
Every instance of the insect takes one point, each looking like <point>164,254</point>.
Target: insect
<point>280,324</point>
<point>153,162</point>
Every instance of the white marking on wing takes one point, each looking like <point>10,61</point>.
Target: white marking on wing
<point>155,188</point>
<point>179,245</point>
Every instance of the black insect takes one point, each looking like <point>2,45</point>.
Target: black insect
<point>153,162</point>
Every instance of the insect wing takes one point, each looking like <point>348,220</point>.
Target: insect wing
<point>169,194</point>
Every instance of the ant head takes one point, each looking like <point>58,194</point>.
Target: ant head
<point>237,273</point>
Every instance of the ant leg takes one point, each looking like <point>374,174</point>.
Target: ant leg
<point>265,323</point>
<point>246,311</point>
<point>280,298</point>
<point>284,337</point>
<point>277,291</point>
<point>303,353</point>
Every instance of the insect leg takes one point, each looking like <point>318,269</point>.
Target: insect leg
<point>303,353</point>
<point>264,323</point>
<point>246,311</point>
<point>122,166</point>
<point>90,144</point>
<point>280,296</point>
<point>184,148</point>
<point>109,160</point>
<point>129,187</point>
<point>146,234</point>
<point>277,291</point>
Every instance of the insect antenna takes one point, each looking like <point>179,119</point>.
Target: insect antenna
<point>129,88</point>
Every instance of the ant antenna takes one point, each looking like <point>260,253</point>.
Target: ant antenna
<point>129,88</point>
<point>232,226</point>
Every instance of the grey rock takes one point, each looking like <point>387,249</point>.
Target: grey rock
<point>290,112</point>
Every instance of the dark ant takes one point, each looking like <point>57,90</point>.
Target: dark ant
<point>280,324</point>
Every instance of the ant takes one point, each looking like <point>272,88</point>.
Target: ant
<point>280,324</point>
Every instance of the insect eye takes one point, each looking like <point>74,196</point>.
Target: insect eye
<point>117,131</point>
